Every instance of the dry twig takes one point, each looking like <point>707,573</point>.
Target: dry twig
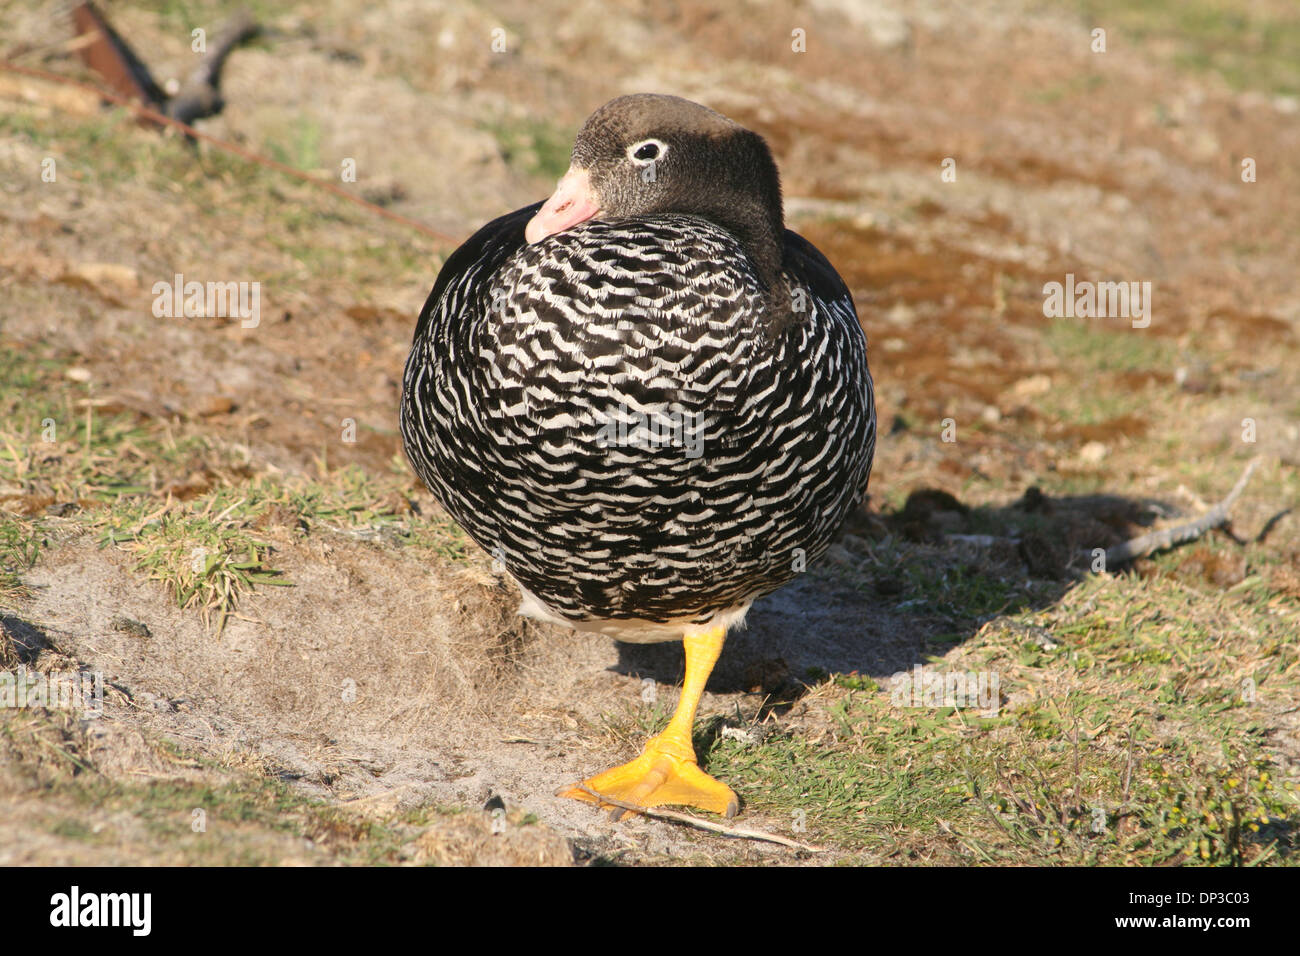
<point>1143,545</point>
<point>671,815</point>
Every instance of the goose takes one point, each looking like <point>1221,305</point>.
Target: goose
<point>648,399</point>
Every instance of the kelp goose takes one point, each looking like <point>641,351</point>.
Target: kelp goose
<point>647,399</point>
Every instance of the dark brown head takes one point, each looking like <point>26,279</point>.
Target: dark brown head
<point>649,154</point>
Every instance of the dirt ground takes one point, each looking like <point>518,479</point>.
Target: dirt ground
<point>393,679</point>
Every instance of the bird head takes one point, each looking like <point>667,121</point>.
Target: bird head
<point>649,154</point>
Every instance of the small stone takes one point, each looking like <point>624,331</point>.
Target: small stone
<point>1092,453</point>
<point>746,737</point>
<point>131,626</point>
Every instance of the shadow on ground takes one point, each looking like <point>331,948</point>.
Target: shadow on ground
<point>906,586</point>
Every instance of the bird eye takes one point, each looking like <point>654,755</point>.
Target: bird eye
<point>646,151</point>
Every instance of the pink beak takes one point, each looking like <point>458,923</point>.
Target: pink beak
<point>572,202</point>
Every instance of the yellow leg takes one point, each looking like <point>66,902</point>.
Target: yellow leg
<point>667,771</point>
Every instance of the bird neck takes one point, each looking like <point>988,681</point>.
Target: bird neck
<point>760,236</point>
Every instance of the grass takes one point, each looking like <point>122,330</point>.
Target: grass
<point>20,546</point>
<point>1087,344</point>
<point>299,147</point>
<point>1130,743</point>
<point>963,588</point>
<point>1253,46</point>
<point>1080,85</point>
<point>536,147</point>
<point>58,446</point>
<point>210,551</point>
<point>185,15</point>
<point>130,481</point>
<point>205,559</point>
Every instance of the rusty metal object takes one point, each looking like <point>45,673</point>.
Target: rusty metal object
<point>111,57</point>
<point>105,51</point>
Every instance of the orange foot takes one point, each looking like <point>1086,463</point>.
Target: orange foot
<point>666,773</point>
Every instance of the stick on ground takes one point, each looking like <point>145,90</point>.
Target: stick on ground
<point>671,815</point>
<point>1146,544</point>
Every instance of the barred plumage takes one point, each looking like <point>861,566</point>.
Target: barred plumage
<point>532,363</point>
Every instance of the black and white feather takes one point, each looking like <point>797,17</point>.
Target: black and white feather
<point>617,414</point>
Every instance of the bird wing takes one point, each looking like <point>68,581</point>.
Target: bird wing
<point>477,259</point>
